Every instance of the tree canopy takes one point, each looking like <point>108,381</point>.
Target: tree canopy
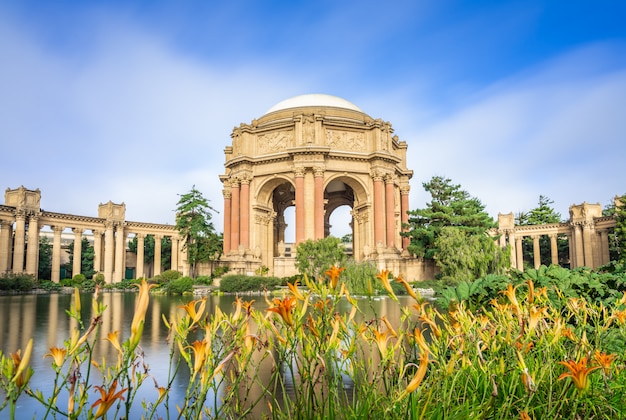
<point>450,206</point>
<point>314,257</point>
<point>193,222</point>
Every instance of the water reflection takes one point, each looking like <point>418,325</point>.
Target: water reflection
<point>44,318</point>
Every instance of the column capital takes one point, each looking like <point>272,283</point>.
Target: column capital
<point>377,175</point>
<point>58,229</point>
<point>389,178</point>
<point>245,179</point>
<point>140,235</point>
<point>298,171</point>
<point>77,231</point>
<point>227,193</point>
<point>405,189</point>
<point>318,171</point>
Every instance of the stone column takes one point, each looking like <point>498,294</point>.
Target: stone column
<point>120,253</point>
<point>536,251</point>
<point>579,256</point>
<point>141,243</point>
<point>554,249</point>
<point>604,247</point>
<point>18,243</point>
<point>244,213</point>
<point>513,244</point>
<point>520,254</point>
<point>309,205</point>
<point>174,258</point>
<point>299,181</point>
<point>97,250</point>
<point>56,253</point>
<point>109,255</point>
<point>379,216</point>
<point>32,253</point>
<point>319,202</point>
<point>404,215</point>
<point>227,218</point>
<point>234,219</point>
<point>157,254</point>
<point>390,219</point>
<point>5,245</point>
<point>78,248</point>
<point>588,245</point>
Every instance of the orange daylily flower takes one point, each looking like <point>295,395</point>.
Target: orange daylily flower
<point>531,291</point>
<point>113,338</point>
<point>510,293</point>
<point>20,364</point>
<point>578,371</point>
<point>293,288</point>
<point>419,376</point>
<point>200,350</point>
<point>333,273</point>
<point>57,354</point>
<point>141,307</point>
<point>535,315</point>
<point>284,308</point>
<point>389,327</point>
<point>604,360</point>
<point>381,339</point>
<point>620,316</point>
<point>383,276</point>
<point>107,398</point>
<point>408,287</point>
<point>192,309</point>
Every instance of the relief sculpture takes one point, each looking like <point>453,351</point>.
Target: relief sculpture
<point>345,140</point>
<point>274,142</point>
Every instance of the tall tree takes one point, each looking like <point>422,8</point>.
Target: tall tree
<point>450,206</point>
<point>620,227</point>
<point>86,258</point>
<point>193,222</point>
<point>543,214</point>
<point>45,259</point>
<point>314,257</point>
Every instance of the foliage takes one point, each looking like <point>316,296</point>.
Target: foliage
<point>524,355</point>
<point>166,276</point>
<point>262,270</point>
<point>314,257</point>
<point>237,283</point>
<point>220,270</point>
<point>450,206</point>
<point>86,258</point>
<point>193,222</point>
<point>204,280</point>
<point>360,277</point>
<point>178,286</point>
<point>45,258</point>
<point>544,213</point>
<point>148,249</point>
<point>620,228</point>
<point>49,286</point>
<point>17,282</point>
<point>463,257</point>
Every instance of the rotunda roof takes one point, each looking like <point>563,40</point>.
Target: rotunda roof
<point>315,99</point>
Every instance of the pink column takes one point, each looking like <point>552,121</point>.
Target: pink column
<point>319,203</point>
<point>379,216</point>
<point>404,215</point>
<point>244,213</point>
<point>234,219</point>
<point>299,180</point>
<point>227,218</point>
<point>389,212</point>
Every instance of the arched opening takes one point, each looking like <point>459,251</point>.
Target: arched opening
<point>283,197</point>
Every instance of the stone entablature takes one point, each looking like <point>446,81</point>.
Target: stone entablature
<point>21,222</point>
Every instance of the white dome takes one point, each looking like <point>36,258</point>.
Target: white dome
<point>315,99</point>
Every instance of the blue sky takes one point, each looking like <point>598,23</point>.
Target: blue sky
<point>134,101</point>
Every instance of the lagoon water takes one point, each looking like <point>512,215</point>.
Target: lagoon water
<point>43,317</point>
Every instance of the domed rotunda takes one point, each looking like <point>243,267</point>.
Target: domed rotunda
<point>315,153</point>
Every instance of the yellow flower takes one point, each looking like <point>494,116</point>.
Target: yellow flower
<point>620,316</point>
<point>333,273</point>
<point>57,354</point>
<point>578,371</point>
<point>389,327</point>
<point>524,415</point>
<point>284,308</point>
<point>383,276</point>
<point>531,291</point>
<point>194,312</point>
<point>535,315</point>
<point>200,350</point>
<point>510,293</point>
<point>113,338</point>
<point>107,398</point>
<point>381,340</point>
<point>420,340</point>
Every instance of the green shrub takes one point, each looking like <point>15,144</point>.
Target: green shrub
<point>17,282</point>
<point>236,283</point>
<point>48,286</point>
<point>204,280</point>
<point>166,276</point>
<point>220,271</point>
<point>179,286</point>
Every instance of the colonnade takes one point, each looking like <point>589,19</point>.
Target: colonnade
<point>587,234</point>
<point>21,222</point>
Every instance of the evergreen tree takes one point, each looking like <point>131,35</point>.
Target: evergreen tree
<point>620,228</point>
<point>148,250</point>
<point>450,206</point>
<point>314,257</point>
<point>45,259</point>
<point>193,222</point>
<point>87,255</point>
